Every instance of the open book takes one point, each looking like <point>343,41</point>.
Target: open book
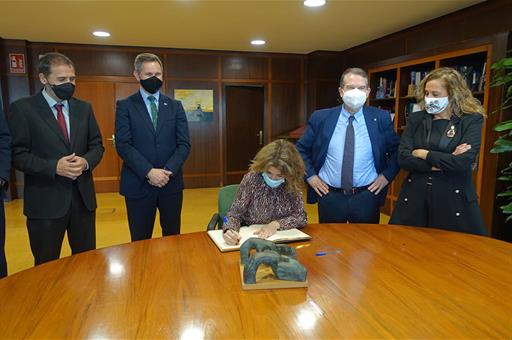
<point>281,236</point>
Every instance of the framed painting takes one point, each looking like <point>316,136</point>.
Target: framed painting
<point>198,104</point>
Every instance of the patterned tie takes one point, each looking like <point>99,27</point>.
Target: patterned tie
<point>154,110</point>
<point>62,121</point>
<point>347,167</point>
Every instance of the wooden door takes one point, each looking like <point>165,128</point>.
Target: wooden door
<point>101,97</point>
<point>244,128</point>
<point>124,90</point>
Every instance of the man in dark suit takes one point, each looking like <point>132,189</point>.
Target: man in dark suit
<point>5,170</point>
<point>350,153</point>
<point>56,142</point>
<point>153,141</point>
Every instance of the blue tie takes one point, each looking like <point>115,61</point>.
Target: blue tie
<point>347,167</point>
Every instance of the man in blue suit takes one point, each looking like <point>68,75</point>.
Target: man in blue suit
<point>5,171</point>
<point>152,139</point>
<point>350,153</point>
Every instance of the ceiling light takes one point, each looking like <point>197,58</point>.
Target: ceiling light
<point>102,34</point>
<point>258,42</point>
<point>314,3</point>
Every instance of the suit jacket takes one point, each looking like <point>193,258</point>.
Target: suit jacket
<point>5,152</point>
<point>314,143</point>
<point>454,199</point>
<point>142,148</point>
<point>37,145</point>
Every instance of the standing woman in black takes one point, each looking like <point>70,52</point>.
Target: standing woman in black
<point>439,147</point>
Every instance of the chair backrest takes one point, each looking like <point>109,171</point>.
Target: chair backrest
<point>226,198</point>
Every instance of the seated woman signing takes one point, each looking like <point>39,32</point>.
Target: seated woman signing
<point>269,194</point>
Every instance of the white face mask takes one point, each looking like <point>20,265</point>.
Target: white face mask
<point>436,105</point>
<point>354,99</point>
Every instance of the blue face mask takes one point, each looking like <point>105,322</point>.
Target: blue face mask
<point>273,183</point>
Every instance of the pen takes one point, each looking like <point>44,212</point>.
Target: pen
<point>225,220</point>
<point>322,253</point>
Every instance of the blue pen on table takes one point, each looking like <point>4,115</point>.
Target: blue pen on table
<point>328,251</point>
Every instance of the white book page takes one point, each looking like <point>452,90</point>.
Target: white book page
<point>248,232</point>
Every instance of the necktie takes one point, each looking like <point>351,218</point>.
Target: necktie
<point>154,110</point>
<point>62,121</point>
<point>347,167</point>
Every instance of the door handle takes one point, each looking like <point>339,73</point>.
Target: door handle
<point>260,135</point>
<point>113,140</point>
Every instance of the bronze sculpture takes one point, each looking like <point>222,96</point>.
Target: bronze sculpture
<point>281,258</point>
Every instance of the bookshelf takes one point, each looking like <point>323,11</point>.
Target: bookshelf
<point>473,63</point>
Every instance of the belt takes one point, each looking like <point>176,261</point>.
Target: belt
<point>352,191</point>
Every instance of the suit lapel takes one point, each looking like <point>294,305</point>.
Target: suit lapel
<point>73,122</point>
<point>47,116</point>
<point>373,130</point>
<point>164,108</point>
<point>141,107</point>
<point>328,130</point>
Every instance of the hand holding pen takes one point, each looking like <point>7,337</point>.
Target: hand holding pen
<point>231,237</point>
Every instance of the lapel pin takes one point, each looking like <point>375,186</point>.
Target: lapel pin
<point>374,119</point>
<point>165,103</point>
<point>451,133</point>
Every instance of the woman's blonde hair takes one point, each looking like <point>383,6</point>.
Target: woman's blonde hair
<point>283,156</point>
<point>461,98</point>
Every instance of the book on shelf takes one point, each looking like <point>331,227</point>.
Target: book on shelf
<point>386,88</point>
<point>411,90</point>
<point>392,88</point>
<point>417,77</point>
<point>381,89</point>
<point>475,78</point>
<point>414,82</point>
<point>281,236</point>
<point>379,94</point>
<point>481,83</point>
<point>467,74</point>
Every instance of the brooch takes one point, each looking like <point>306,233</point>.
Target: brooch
<point>451,133</point>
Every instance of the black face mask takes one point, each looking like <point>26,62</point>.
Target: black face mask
<point>151,85</point>
<point>63,91</point>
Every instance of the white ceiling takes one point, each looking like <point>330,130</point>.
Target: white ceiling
<point>286,25</point>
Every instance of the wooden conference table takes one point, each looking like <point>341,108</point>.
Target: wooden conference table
<point>385,282</point>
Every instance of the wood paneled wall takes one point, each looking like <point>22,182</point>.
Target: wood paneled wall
<point>445,33</point>
<point>282,75</point>
<point>324,69</point>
